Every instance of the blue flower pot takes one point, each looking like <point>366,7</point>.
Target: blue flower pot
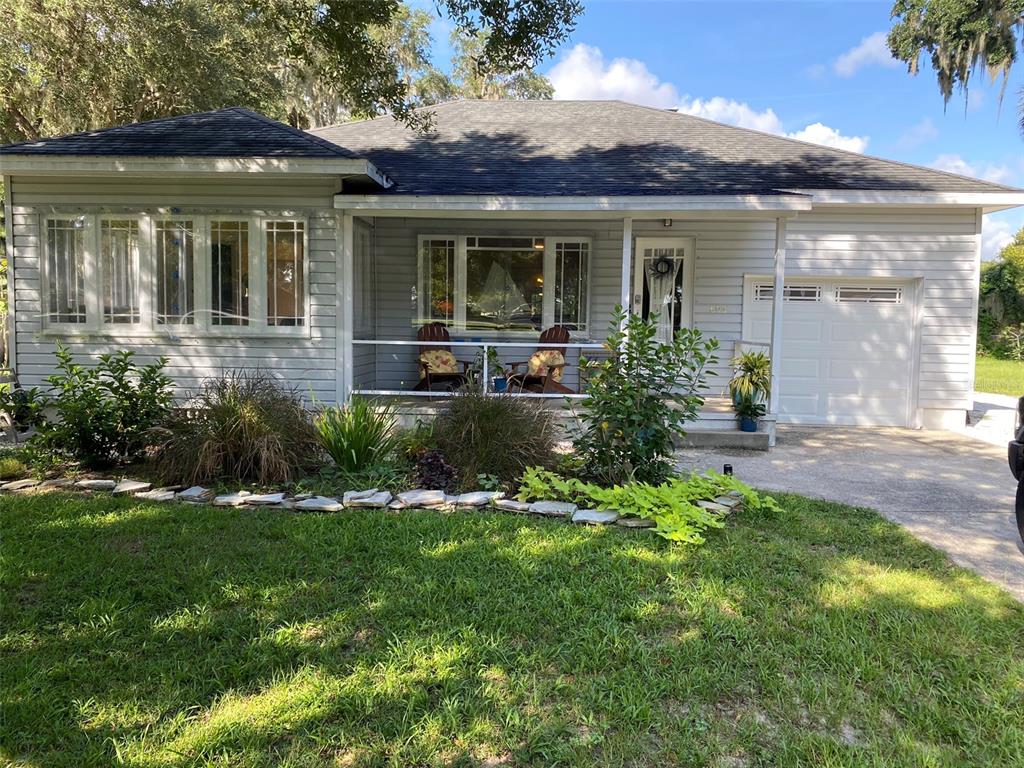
<point>748,424</point>
<point>499,384</point>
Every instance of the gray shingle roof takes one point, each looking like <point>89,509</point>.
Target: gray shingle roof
<point>231,132</point>
<point>612,148</point>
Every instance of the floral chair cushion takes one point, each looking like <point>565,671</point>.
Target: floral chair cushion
<point>541,360</point>
<point>437,361</point>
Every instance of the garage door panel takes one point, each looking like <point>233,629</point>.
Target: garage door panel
<point>843,361</point>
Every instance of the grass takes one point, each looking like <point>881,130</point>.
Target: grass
<point>169,635</point>
<point>1002,377</point>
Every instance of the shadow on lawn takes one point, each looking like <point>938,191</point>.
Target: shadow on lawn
<point>175,634</point>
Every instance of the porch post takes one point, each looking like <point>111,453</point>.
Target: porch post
<point>627,262</point>
<point>777,302</point>
<point>344,282</point>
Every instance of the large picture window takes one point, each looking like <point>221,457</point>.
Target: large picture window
<point>65,270</point>
<point>140,274</point>
<point>503,283</point>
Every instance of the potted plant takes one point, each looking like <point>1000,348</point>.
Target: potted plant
<point>752,377</point>
<point>495,370</point>
<point>749,411</point>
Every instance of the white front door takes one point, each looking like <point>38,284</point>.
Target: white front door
<point>663,283</point>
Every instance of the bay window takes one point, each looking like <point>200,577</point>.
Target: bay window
<point>503,283</point>
<point>142,274</point>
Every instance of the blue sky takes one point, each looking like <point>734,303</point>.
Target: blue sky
<point>815,70</point>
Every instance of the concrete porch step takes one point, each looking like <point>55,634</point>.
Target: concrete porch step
<point>726,438</point>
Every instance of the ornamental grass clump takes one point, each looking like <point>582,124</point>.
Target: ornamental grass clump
<point>242,427</point>
<point>496,435</point>
<point>639,398</point>
<point>359,435</point>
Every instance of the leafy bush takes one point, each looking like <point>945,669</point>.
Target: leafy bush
<point>639,399</point>
<point>24,407</point>
<point>499,435</point>
<point>1012,340</point>
<point>242,427</point>
<point>104,414</point>
<point>671,505</point>
<point>1001,304</point>
<point>358,435</point>
<point>433,472</point>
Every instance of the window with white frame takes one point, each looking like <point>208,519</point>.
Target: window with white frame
<point>65,270</point>
<point>119,271</point>
<point>175,261</point>
<point>137,273</point>
<point>286,260</point>
<point>791,292</point>
<point>504,283</point>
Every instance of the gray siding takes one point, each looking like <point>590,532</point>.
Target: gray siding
<point>307,361</point>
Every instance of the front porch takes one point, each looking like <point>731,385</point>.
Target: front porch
<point>496,282</point>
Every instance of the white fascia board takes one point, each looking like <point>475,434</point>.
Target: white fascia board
<point>994,200</point>
<point>65,165</point>
<point>623,204</point>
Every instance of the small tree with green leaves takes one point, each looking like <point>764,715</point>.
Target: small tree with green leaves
<point>639,399</point>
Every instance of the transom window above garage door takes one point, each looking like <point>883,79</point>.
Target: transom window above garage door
<point>792,292</point>
<point>869,294</point>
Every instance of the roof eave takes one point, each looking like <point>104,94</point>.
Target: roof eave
<point>995,199</point>
<point>85,165</point>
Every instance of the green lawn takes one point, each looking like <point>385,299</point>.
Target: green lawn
<point>171,635</point>
<point>1003,377</point>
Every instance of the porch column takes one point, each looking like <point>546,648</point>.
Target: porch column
<point>344,301</point>
<point>627,262</point>
<point>777,303</point>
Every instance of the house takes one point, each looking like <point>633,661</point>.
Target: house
<point>226,239</point>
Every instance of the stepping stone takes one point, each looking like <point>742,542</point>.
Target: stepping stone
<point>19,485</point>
<point>158,495</point>
<point>377,501</point>
<point>553,508</point>
<point>423,498</point>
<point>729,501</point>
<point>595,516</point>
<point>319,504</point>
<point>96,485</point>
<point>303,496</point>
<point>712,506</point>
<point>397,505</point>
<point>264,499</point>
<point>232,499</point>
<point>196,494</point>
<point>356,495</point>
<point>61,482</point>
<point>477,498</point>
<point>511,505</point>
<point>125,487</point>
<point>632,521</point>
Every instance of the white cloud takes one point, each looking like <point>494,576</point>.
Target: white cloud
<point>817,133</point>
<point>873,49</point>
<point>917,134</point>
<point>739,113</point>
<point>998,174</point>
<point>996,233</point>
<point>583,73</point>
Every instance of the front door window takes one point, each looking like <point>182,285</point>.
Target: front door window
<point>660,286</point>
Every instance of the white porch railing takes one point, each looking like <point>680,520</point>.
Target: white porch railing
<point>484,347</point>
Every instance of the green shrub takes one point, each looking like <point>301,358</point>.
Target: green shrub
<point>358,435</point>
<point>23,407</point>
<point>498,435</point>
<point>104,414</point>
<point>671,505</point>
<point>244,428</point>
<point>639,399</point>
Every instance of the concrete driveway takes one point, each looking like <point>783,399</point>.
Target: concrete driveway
<point>949,489</point>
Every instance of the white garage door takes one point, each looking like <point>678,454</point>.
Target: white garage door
<point>847,348</point>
